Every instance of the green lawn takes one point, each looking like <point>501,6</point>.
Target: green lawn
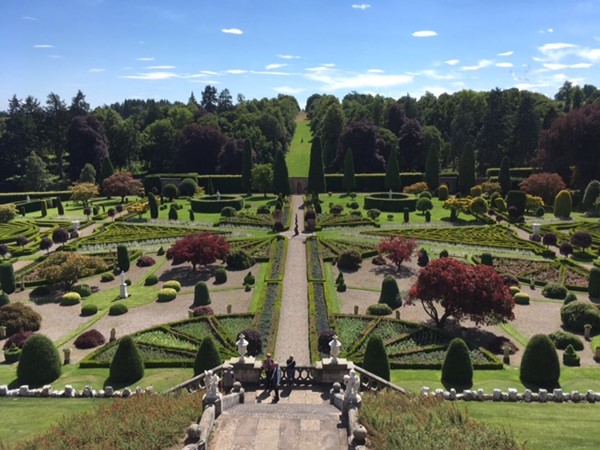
<point>298,156</point>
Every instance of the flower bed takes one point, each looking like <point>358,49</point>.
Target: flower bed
<point>277,257</point>
<point>268,318</point>
<point>313,262</point>
<point>331,248</point>
<point>258,248</point>
<point>345,220</point>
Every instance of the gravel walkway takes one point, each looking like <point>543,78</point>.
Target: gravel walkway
<point>292,335</point>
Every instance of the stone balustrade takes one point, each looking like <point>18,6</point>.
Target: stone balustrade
<point>512,395</point>
<point>70,392</point>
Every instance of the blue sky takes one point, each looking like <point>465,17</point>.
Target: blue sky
<point>117,49</point>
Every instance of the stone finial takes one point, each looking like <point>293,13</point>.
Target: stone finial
<point>334,348</point>
<point>359,435</point>
<point>194,432</point>
<point>242,346</point>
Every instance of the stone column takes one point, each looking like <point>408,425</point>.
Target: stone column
<point>67,354</point>
<point>2,332</point>
<point>113,334</point>
<point>587,331</point>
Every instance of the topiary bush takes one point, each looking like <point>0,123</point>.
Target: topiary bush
<point>540,368</point>
<point>4,299</point>
<point>7,278</point>
<point>518,199</point>
<point>443,192</point>
<point>487,259</point>
<point>378,309</point>
<point>172,284</point>
<point>444,254</point>
<point>39,362</point>
<point>576,314</point>
<point>170,191</point>
<point>88,310</point>
<point>228,211</point>
<point>123,258</point>
<point>562,339</point>
<point>239,260</point>
<point>390,294</point>
<point>117,309</point>
<point>220,276</point>
<point>594,282</point>
<point>201,294</point>
<point>106,277</point>
<point>19,317</point>
<point>514,290</point>
<point>570,357</point>
<point>521,298</point>
<point>376,359</point>
<point>127,366</point>
<point>249,279</point>
<point>84,290</point>
<point>563,205</point>
<point>166,295</point>
<point>187,188</point>
<point>571,297</point>
<point>349,260</point>
<point>457,369</point>
<point>373,214</point>
<point>263,209</point>
<point>151,280</point>
<point>18,339</point>
<point>70,299</point>
<point>254,338</point>
<point>554,291</point>
<point>203,311</point>
<point>89,339</point>
<point>145,261</point>
<point>207,356</point>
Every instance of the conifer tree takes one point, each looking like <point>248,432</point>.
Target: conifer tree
<point>504,176</point>
<point>281,180</point>
<point>466,169</point>
<point>316,173</point>
<point>376,359</point>
<point>153,205</point>
<point>349,181</point>
<point>127,365</point>
<point>432,170</point>
<point>106,171</point>
<point>207,356</point>
<point>392,173</point>
<point>247,165</point>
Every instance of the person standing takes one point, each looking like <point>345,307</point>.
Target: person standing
<point>290,370</point>
<point>268,366</point>
<point>276,380</point>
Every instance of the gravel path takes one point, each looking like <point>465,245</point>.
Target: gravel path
<point>292,335</point>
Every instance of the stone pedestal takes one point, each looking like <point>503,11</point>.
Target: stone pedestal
<point>212,401</point>
<point>587,331</point>
<point>329,372</point>
<point>2,332</point>
<point>67,355</point>
<point>246,369</point>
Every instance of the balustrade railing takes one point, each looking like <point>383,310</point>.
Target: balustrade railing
<point>371,382</point>
<point>197,383</point>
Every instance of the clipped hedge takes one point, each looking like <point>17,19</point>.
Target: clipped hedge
<point>89,339</point>
<point>576,314</point>
<point>117,309</point>
<point>457,370</point>
<point>521,298</point>
<point>151,280</point>
<point>570,357</point>
<point>378,309</point>
<point>540,367</point>
<point>562,339</point>
<point>83,290</point>
<point>39,362</point>
<point>555,291</point>
<point>70,299</point>
<point>166,295</point>
<point>89,310</point>
<point>397,203</point>
<point>172,284</point>
<point>210,204</point>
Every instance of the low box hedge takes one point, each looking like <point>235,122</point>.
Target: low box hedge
<point>210,204</point>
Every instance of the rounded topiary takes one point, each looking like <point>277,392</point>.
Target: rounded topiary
<point>106,277</point>
<point>570,357</point>
<point>563,205</point>
<point>18,340</point>
<point>117,309</point>
<point>249,279</point>
<point>239,260</point>
<point>376,359</point>
<point>540,368</point>
<point>203,311</point>
<point>349,260</point>
<point>571,297</point>
<point>89,339</point>
<point>127,365</point>
<point>521,298</point>
<point>444,254</point>
<point>145,261</point>
<point>540,211</point>
<point>123,258</point>
<point>514,290</point>
<point>576,314</point>
<point>169,191</point>
<point>594,282</point>
<point>70,299</point>
<point>89,310</point>
<point>263,209</point>
<point>19,317</point>
<point>228,211</point>
<point>83,290</point>
<point>4,299</point>
<point>378,309</point>
<point>390,294</point>
<point>207,356</point>
<point>220,276</point>
<point>172,284</point>
<point>201,294</point>
<point>487,259</point>
<point>562,339</point>
<point>457,370</point>
<point>518,199</point>
<point>187,187</point>
<point>166,295</point>
<point>254,338</point>
<point>39,362</point>
<point>151,280</point>
<point>341,287</point>
<point>555,291</point>
<point>443,192</point>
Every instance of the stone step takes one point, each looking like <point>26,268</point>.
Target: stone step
<point>291,410</point>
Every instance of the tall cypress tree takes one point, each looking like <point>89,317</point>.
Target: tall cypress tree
<point>316,173</point>
<point>153,204</point>
<point>432,170</point>
<point>504,176</point>
<point>281,180</point>
<point>247,165</point>
<point>392,173</point>
<point>349,181</point>
<point>106,171</point>
<point>466,169</point>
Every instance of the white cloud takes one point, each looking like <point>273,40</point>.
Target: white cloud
<point>288,56</point>
<point>430,73</point>
<point>321,68</point>
<point>452,62</point>
<point>362,6</point>
<point>332,82</point>
<point>288,90</point>
<point>161,67</point>
<point>509,53</point>
<point>32,19</point>
<point>560,77</point>
<point>236,71</point>
<point>146,58</point>
<point>152,76</point>
<point>375,71</point>
<point>547,30</point>
<point>43,46</point>
<point>504,65</point>
<point>555,52</point>
<point>424,33</point>
<point>269,72</point>
<point>481,64</point>
<point>232,31</point>
<point>592,54</point>
<point>209,72</point>
<point>555,46</point>
<point>97,70</point>
<point>558,66</point>
<point>274,66</point>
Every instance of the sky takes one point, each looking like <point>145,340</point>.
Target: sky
<point>116,49</point>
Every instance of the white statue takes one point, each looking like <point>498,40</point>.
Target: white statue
<point>123,277</point>
<point>211,381</point>
<point>218,195</point>
<point>242,346</point>
<point>334,348</point>
<point>123,287</point>
<point>390,194</point>
<point>352,383</point>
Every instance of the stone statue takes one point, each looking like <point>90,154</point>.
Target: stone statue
<point>352,383</point>
<point>211,380</point>
<point>334,348</point>
<point>390,194</point>
<point>218,195</point>
<point>242,346</point>
<point>123,277</point>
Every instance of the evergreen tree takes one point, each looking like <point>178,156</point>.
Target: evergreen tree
<point>392,173</point>
<point>107,170</point>
<point>466,169</point>
<point>504,176</point>
<point>207,357</point>
<point>127,365</point>
<point>526,130</point>
<point>457,370</point>
<point>281,180</point>
<point>153,205</point>
<point>59,207</point>
<point>349,181</point>
<point>7,278</point>
<point>540,367</point>
<point>316,174</point>
<point>333,123</point>
<point>390,294</point>
<point>39,362</point>
<point>247,165</point>
<point>201,294</point>
<point>37,175</point>
<point>123,258</point>
<point>432,170</point>
<point>376,359</point>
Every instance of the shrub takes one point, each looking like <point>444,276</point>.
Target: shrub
<point>500,204</point>
<point>173,213</point>
<point>202,311</point>
<point>145,261</point>
<point>349,260</point>
<point>545,185</point>
<point>166,295</point>
<point>220,276</point>
<point>422,258</point>
<point>19,317</point>
<point>127,366</point>
<point>540,367</point>
<point>39,362</point>
<point>581,239</point>
<point>88,310</point>
<point>117,309</point>
<point>84,290</point>
<point>172,284</point>
<point>278,226</point>
<point>425,194</point>
<point>356,213</point>
<point>514,290</point>
<point>416,188</point>
<point>570,357</point>
<point>263,209</point>
<point>444,254</point>
<point>151,280</point>
<point>325,337</point>
<point>569,298</point>
<point>540,211</point>
<point>373,213</point>
<point>341,287</point>
<point>187,187</point>
<point>376,359</point>
<point>169,191</point>
<point>378,309</point>
<point>207,356</point>
<point>106,277</point>
<point>70,299</point>
<point>353,205</point>
<point>487,259</point>
<point>89,339</point>
<point>379,260</point>
<point>513,212</point>
<point>228,211</point>
<point>424,204</point>
<point>239,260</point>
<point>565,248</point>
<point>249,279</point>
<point>555,291</point>
<point>497,345</point>
<point>576,314</point>
<point>4,299</point>
<point>521,298</point>
<point>563,205</point>
<point>7,278</point>
<point>562,339</point>
<point>443,192</point>
<point>254,339</point>
<point>18,339</point>
<point>160,252</point>
<point>594,282</point>
<point>518,199</point>
<point>390,294</point>
<point>476,191</point>
<point>201,295</point>
<point>457,369</point>
<point>336,209</point>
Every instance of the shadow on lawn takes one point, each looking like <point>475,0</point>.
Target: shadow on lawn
<point>188,276</point>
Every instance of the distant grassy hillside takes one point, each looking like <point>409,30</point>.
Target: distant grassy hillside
<point>299,155</point>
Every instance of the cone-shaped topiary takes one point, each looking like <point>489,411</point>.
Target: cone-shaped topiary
<point>127,365</point>
<point>123,258</point>
<point>207,356</point>
<point>443,192</point>
<point>59,207</point>
<point>39,362</point>
<point>392,172</point>
<point>466,169</point>
<point>457,370</point>
<point>316,174</point>
<point>432,169</point>
<point>570,356</point>
<point>540,368</point>
<point>349,180</point>
<point>220,276</point>
<point>563,205</point>
<point>504,176</point>
<point>201,295</point>
<point>376,359</point>
<point>390,294</point>
<point>281,180</point>
<point>7,278</point>
<point>153,204</point>
<point>594,282</point>
<point>247,165</point>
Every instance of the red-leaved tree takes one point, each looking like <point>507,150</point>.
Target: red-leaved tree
<point>397,249</point>
<point>581,239</point>
<point>469,292</point>
<point>199,249</point>
<point>545,185</point>
<point>122,184</point>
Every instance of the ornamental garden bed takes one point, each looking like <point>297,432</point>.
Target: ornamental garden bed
<point>331,248</point>
<point>394,202</point>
